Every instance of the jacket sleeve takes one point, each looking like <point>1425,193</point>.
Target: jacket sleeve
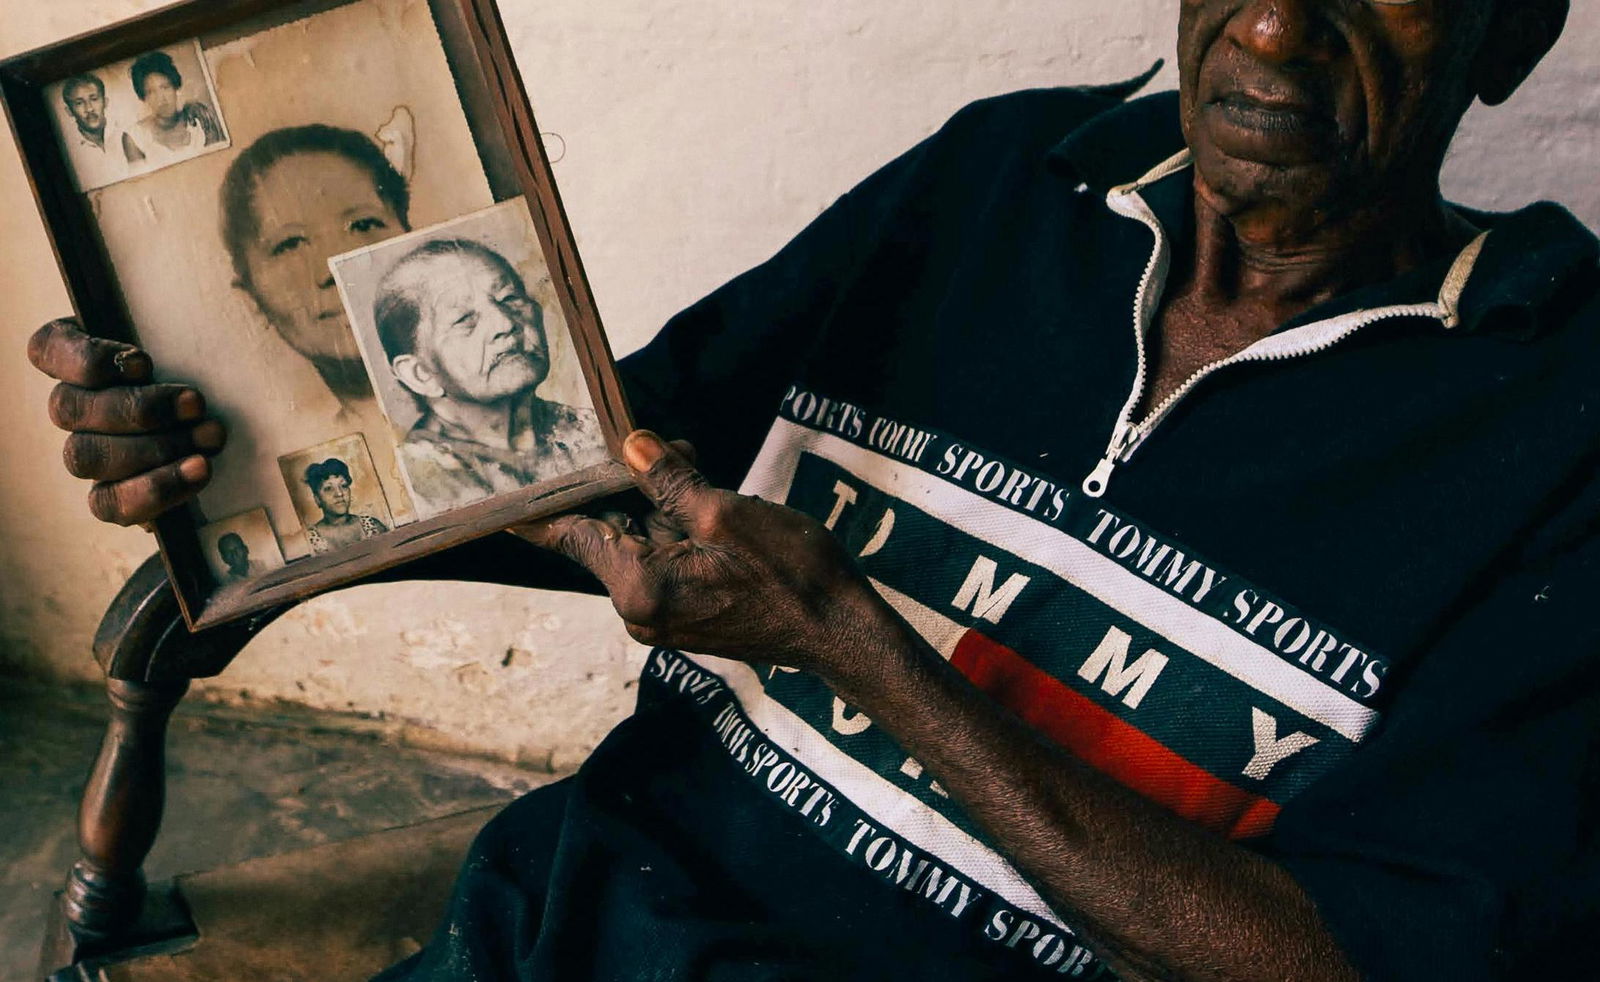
<point>1463,842</point>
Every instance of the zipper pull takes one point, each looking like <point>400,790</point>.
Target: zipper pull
<point>1121,435</point>
<point>1095,484</point>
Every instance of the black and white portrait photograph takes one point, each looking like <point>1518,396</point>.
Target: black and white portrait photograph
<point>138,115</point>
<point>336,490</point>
<point>469,354</point>
<point>241,547</point>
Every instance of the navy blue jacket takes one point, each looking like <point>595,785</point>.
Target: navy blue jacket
<point>1334,603</point>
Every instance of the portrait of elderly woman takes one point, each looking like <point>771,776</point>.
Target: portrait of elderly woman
<point>461,352</point>
<point>462,335</point>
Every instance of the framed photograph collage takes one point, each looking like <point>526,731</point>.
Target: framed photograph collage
<point>336,219</point>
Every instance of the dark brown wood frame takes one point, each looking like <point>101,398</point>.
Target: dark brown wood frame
<point>514,162</point>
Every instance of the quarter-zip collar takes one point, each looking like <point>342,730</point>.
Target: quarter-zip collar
<point>1290,341</point>
<point>1536,258</point>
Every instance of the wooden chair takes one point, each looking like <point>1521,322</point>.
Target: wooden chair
<point>106,913</point>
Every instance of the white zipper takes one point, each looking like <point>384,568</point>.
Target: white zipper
<point>1126,436</point>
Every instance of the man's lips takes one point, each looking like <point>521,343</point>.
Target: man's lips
<point>1273,113</point>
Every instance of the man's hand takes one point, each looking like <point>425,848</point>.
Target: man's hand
<point>717,572</point>
<point>144,445</point>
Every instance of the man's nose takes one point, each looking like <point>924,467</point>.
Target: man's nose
<point>1285,32</point>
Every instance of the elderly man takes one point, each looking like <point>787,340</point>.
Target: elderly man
<point>465,339</point>
<point>1185,572</point>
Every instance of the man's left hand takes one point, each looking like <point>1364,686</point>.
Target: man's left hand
<point>717,572</point>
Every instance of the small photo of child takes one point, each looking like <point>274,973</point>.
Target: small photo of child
<point>241,547</point>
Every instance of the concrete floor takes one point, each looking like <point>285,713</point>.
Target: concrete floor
<point>238,788</point>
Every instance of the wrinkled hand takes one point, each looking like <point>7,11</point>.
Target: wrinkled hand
<point>144,445</point>
<point>717,572</point>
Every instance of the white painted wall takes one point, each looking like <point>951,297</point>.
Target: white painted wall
<point>698,136</point>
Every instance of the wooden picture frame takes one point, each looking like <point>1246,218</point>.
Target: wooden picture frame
<point>88,231</point>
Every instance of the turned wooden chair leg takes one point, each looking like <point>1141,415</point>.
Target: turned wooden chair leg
<point>121,812</point>
<point>106,911</point>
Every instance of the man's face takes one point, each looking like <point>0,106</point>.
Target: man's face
<point>333,494</point>
<point>1321,105</point>
<point>161,97</point>
<point>87,106</point>
<point>480,333</point>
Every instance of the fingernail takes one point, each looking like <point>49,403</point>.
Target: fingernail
<point>190,406</point>
<point>194,469</point>
<point>209,435</point>
<point>133,364</point>
<point>642,449</point>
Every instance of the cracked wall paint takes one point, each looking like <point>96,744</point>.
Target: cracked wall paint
<point>697,136</point>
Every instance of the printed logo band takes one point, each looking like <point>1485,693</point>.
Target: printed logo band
<point>1165,671</point>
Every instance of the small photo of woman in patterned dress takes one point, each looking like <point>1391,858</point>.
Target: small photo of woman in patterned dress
<point>336,492</point>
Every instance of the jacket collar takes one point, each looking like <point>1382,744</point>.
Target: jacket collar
<point>1536,265</point>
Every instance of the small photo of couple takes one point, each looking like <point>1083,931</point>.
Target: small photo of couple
<point>137,116</point>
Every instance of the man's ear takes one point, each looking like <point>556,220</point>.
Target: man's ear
<point>416,376</point>
<point>1521,33</point>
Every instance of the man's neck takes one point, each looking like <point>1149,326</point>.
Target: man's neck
<point>1251,271</point>
<point>1284,264</point>
<point>96,137</point>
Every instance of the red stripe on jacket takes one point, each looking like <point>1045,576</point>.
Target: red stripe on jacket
<point>1110,744</point>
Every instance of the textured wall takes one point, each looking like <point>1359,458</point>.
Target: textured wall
<point>694,137</point>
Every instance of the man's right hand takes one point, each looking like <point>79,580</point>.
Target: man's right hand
<point>144,445</point>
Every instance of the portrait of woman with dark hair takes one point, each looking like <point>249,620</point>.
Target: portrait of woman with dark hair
<point>292,199</point>
<point>330,484</point>
<point>172,128</point>
<point>336,494</point>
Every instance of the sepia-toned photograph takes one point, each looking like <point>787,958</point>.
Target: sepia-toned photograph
<point>241,547</point>
<point>467,351</point>
<point>139,115</point>
<point>336,491</point>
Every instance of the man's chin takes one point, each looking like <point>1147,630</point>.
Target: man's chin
<point>1241,181</point>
